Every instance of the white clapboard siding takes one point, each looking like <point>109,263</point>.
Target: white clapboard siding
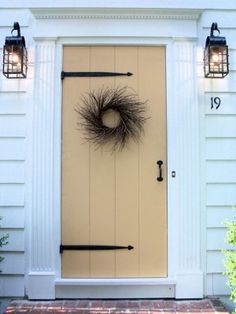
<point>12,264</point>
<point>12,286</point>
<point>12,217</point>
<point>17,86</point>
<point>12,125</point>
<point>220,166</point>
<point>219,126</point>
<point>216,239</point>
<point>22,18</point>
<point>12,194</point>
<point>217,216</point>
<point>215,262</point>
<point>227,106</point>
<point>12,148</point>
<point>14,108</point>
<point>13,103</point>
<point>220,285</point>
<point>215,284</point>
<point>225,85</point>
<point>221,148</point>
<point>232,59</point>
<point>225,20</point>
<point>208,284</point>
<point>220,171</point>
<point>221,194</point>
<point>15,240</point>
<point>12,171</point>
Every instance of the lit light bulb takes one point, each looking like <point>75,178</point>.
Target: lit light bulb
<point>14,58</point>
<point>215,58</point>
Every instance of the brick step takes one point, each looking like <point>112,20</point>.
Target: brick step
<point>116,306</point>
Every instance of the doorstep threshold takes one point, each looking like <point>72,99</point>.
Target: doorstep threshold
<point>114,281</point>
<point>111,288</point>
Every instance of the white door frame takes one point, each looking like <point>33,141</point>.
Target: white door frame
<point>185,277</point>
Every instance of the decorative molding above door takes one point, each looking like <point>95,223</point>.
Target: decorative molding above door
<point>116,14</point>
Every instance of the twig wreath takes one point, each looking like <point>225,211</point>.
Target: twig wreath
<point>126,106</point>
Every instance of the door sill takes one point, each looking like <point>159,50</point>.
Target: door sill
<point>115,288</point>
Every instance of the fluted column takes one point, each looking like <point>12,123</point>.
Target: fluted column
<point>42,244</point>
<point>186,189</point>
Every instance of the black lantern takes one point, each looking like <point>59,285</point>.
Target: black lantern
<point>15,55</point>
<point>216,59</point>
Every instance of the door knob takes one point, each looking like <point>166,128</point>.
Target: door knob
<point>160,163</point>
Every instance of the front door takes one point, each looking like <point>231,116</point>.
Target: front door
<point>111,197</point>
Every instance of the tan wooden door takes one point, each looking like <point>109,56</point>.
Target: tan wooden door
<point>115,198</point>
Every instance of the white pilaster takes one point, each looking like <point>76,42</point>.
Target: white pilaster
<point>42,236</point>
<point>186,184</point>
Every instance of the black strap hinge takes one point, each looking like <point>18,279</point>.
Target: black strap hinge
<point>93,247</point>
<point>92,74</point>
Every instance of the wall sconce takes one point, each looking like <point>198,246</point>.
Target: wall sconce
<point>15,55</point>
<point>216,61</point>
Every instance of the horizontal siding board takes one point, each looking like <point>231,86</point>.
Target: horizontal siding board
<point>12,217</point>
<point>217,216</point>
<point>221,171</point>
<point>216,284</point>
<point>12,172</point>
<point>22,16</point>
<point>12,103</point>
<point>225,85</point>
<point>15,240</point>
<point>12,149</point>
<point>17,86</point>
<point>221,149</point>
<point>12,286</point>
<point>208,284</point>
<point>232,59</point>
<point>230,33</point>
<point>219,126</point>
<point>216,239</point>
<point>13,263</point>
<point>221,194</point>
<point>215,262</point>
<point>220,286</point>
<point>12,125</point>
<point>227,107</point>
<point>12,195</point>
<point>225,19</point>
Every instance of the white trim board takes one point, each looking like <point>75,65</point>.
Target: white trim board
<point>115,288</point>
<point>169,4</point>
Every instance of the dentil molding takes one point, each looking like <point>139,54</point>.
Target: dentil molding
<point>116,14</point>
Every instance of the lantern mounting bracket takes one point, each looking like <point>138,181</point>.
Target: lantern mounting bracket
<point>16,27</point>
<point>214,27</point>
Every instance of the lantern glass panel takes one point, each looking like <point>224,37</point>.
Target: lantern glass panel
<point>216,61</point>
<point>14,61</point>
